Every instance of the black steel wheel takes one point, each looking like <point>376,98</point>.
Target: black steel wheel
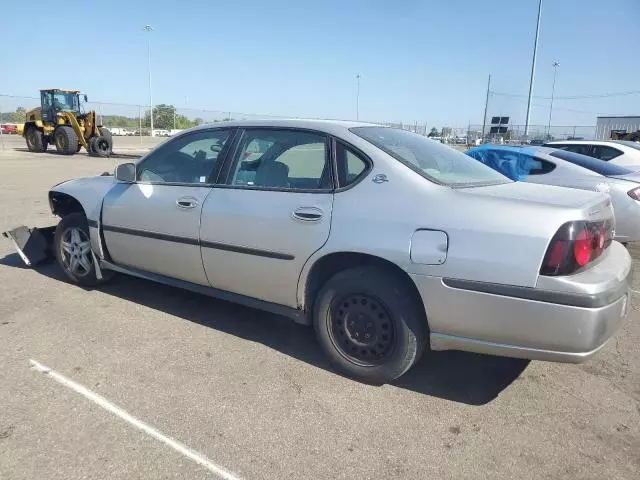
<point>362,329</point>
<point>371,323</point>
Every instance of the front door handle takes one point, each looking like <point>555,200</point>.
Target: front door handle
<point>308,214</point>
<point>186,203</point>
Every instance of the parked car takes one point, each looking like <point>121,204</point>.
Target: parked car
<point>9,128</point>
<point>383,240</point>
<point>619,152</point>
<point>552,166</point>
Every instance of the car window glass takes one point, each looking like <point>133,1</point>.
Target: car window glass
<point>430,159</point>
<point>581,149</point>
<point>350,165</point>
<point>187,159</point>
<point>288,159</point>
<point>605,153</point>
<point>590,163</point>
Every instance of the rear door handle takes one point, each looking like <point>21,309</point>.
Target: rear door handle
<point>308,214</point>
<point>186,203</point>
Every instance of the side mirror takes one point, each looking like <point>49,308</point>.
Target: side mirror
<point>126,173</point>
<point>85,98</point>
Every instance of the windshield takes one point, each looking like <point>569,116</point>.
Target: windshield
<point>595,165</point>
<point>628,143</point>
<point>431,159</point>
<point>66,102</point>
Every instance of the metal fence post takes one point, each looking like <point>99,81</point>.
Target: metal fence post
<point>140,121</point>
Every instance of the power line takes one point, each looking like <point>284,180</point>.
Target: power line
<point>572,97</point>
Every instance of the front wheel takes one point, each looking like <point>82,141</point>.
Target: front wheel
<point>370,324</point>
<point>73,250</point>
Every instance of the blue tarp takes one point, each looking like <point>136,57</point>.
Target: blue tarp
<point>512,162</point>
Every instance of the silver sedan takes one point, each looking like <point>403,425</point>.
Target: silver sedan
<point>552,166</point>
<point>388,243</point>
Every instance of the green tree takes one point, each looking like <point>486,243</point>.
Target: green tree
<point>165,117</point>
<point>434,132</point>
<point>19,116</point>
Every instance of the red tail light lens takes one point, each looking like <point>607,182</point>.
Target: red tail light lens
<point>575,245</point>
<point>635,193</point>
<point>583,247</point>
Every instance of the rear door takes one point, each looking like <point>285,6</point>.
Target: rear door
<point>273,213</point>
<point>153,224</point>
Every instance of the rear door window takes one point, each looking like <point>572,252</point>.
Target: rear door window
<point>351,165</point>
<point>282,159</point>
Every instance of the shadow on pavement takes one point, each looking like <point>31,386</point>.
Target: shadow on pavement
<point>457,376</point>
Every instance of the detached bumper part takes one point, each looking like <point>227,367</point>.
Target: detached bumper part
<point>34,245</point>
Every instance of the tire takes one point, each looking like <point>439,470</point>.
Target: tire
<point>65,140</point>
<point>35,140</point>
<point>105,132</point>
<point>377,304</point>
<point>100,146</point>
<point>66,244</point>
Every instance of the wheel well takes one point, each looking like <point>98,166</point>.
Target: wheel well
<point>327,266</point>
<point>63,204</point>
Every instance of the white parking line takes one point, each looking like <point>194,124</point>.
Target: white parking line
<point>139,424</point>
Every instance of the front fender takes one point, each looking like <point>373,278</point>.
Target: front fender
<point>89,193</point>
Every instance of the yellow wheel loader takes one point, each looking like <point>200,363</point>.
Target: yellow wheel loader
<point>59,121</point>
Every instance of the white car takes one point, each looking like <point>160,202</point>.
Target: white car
<point>619,152</point>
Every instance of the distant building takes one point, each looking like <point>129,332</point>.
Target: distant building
<point>605,126</point>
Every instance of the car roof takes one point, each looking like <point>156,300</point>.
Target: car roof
<point>327,126</point>
<point>578,142</point>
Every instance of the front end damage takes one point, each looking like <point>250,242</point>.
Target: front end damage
<point>34,245</point>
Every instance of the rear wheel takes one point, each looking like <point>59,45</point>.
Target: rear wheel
<point>65,140</point>
<point>370,324</point>
<point>35,140</point>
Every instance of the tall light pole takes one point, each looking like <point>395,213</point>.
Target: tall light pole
<point>358,97</point>
<point>553,89</point>
<point>533,71</point>
<point>148,29</point>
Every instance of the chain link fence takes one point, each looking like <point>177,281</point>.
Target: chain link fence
<point>128,119</point>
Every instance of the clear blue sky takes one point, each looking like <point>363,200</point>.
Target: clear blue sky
<point>424,61</point>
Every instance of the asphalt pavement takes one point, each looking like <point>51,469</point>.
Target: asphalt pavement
<point>252,394</point>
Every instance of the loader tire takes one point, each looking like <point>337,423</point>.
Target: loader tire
<point>35,140</point>
<point>65,140</point>
<point>100,146</point>
<point>104,132</point>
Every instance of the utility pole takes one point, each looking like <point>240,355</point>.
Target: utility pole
<point>553,89</point>
<point>148,29</point>
<point>533,72</point>
<point>358,97</point>
<point>486,105</point>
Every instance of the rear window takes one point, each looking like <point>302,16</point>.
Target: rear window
<point>628,143</point>
<point>431,159</point>
<point>590,163</point>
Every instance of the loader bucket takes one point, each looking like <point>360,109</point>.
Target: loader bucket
<point>34,245</point>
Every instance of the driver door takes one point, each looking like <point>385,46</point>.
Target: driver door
<point>154,223</point>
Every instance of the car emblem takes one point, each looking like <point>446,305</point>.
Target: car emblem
<point>380,178</point>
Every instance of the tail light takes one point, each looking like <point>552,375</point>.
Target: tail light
<point>575,245</point>
<point>634,193</point>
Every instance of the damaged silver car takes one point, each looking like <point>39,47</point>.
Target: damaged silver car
<point>388,243</point>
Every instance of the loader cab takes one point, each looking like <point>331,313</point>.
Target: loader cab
<point>54,101</point>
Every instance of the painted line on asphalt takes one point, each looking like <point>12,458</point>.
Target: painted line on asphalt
<point>99,400</point>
